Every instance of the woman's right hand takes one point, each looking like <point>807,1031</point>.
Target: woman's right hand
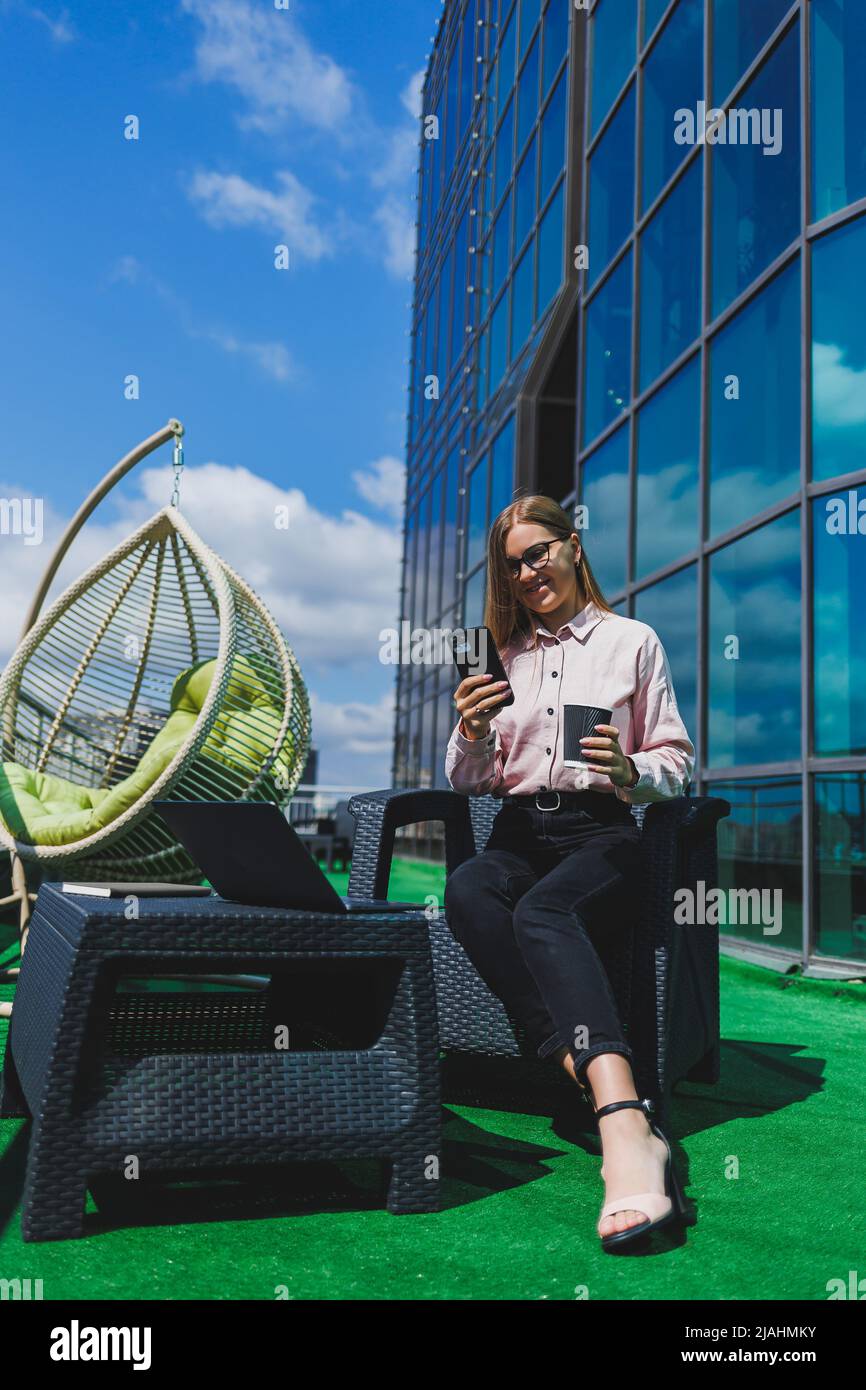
<point>473,697</point>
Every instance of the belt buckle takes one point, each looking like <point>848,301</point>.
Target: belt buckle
<point>547,808</point>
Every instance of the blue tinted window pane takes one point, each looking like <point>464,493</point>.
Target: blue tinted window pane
<point>756,193</point>
<point>527,96</point>
<point>476,528</point>
<point>754,405</point>
<point>458,322</point>
<point>613,53</point>
<point>502,246</point>
<point>839,544</point>
<point>449,562</point>
<point>838,352</point>
<point>482,374</point>
<point>524,214</point>
<point>502,479</point>
<point>671,610</point>
<point>607,373</point>
<point>498,343</point>
<point>653,11</point>
<point>474,598</point>
<point>444,318</point>
<point>838,81</point>
<point>753,652</point>
<point>611,188</point>
<point>740,31</point>
<point>523,308</point>
<point>604,493</point>
<point>760,846</point>
<point>668,450</point>
<point>452,113</point>
<point>555,39</point>
<point>528,15</point>
<point>550,251</point>
<point>553,137</point>
<point>507,60</point>
<point>674,68</point>
<point>670,268</point>
<point>840,869</point>
<point>504,155</point>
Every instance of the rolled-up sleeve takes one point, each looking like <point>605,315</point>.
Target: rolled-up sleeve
<point>662,751</point>
<point>473,765</point>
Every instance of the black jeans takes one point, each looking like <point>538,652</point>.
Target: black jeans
<point>530,909</point>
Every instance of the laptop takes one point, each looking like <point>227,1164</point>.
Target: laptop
<point>250,854</point>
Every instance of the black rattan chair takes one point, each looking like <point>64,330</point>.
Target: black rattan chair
<point>665,976</point>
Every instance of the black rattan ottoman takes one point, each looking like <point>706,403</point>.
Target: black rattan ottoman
<point>336,1058</point>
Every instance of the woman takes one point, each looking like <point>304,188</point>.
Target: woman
<point>561,862</point>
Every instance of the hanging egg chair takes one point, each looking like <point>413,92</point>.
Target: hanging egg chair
<point>159,673</point>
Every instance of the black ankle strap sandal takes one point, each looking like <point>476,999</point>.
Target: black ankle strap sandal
<point>661,1210</point>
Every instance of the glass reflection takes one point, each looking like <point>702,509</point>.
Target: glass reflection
<point>613,53</point>
<point>604,493</point>
<point>607,371</point>
<point>840,864</point>
<point>839,550</point>
<point>838,79</point>
<point>611,188</point>
<point>671,609</point>
<point>754,405</point>
<point>756,196</point>
<point>838,352</point>
<point>761,855</point>
<point>753,654</point>
<point>674,69</point>
<point>668,454</point>
<point>670,277</point>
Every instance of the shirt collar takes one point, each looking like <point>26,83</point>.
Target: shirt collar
<point>581,625</point>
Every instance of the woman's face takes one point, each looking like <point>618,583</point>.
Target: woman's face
<point>545,590</point>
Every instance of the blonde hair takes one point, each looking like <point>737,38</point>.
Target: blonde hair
<point>504,614</point>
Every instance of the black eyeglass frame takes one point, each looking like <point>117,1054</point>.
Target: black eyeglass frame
<point>512,561</point>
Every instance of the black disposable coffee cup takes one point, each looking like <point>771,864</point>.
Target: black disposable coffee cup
<point>579,722</point>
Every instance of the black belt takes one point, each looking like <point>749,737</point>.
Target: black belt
<point>563,801</point>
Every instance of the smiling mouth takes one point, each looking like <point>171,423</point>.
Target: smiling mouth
<point>534,588</point>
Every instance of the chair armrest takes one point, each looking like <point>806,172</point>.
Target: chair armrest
<point>678,843</point>
<point>379,814</point>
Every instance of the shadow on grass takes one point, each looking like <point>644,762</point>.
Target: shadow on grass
<point>757,1079</point>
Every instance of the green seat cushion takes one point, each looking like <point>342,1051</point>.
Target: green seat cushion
<point>40,808</point>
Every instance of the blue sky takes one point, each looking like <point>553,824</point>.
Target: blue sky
<point>155,257</point>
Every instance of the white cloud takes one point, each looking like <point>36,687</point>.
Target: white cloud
<point>839,389</point>
<point>400,235</point>
<point>261,52</point>
<point>412,94</point>
<point>59,26</point>
<point>365,730</point>
<point>228,200</point>
<point>383,484</point>
<point>284,82</point>
<point>272,358</point>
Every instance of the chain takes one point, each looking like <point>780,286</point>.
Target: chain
<point>177,463</point>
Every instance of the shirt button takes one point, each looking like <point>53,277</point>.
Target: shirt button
<point>554,674</point>
<point>547,750</point>
<point>550,711</point>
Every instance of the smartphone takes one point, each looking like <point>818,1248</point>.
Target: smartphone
<point>475,654</point>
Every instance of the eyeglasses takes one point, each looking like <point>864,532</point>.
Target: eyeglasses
<point>536,557</point>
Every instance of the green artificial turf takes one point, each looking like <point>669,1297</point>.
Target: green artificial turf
<point>772,1157</point>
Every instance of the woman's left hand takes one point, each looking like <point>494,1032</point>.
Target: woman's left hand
<point>616,765</point>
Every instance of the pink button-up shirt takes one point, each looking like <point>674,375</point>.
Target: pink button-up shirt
<point>598,659</point>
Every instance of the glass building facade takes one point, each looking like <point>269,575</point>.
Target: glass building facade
<point>699,384</point>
